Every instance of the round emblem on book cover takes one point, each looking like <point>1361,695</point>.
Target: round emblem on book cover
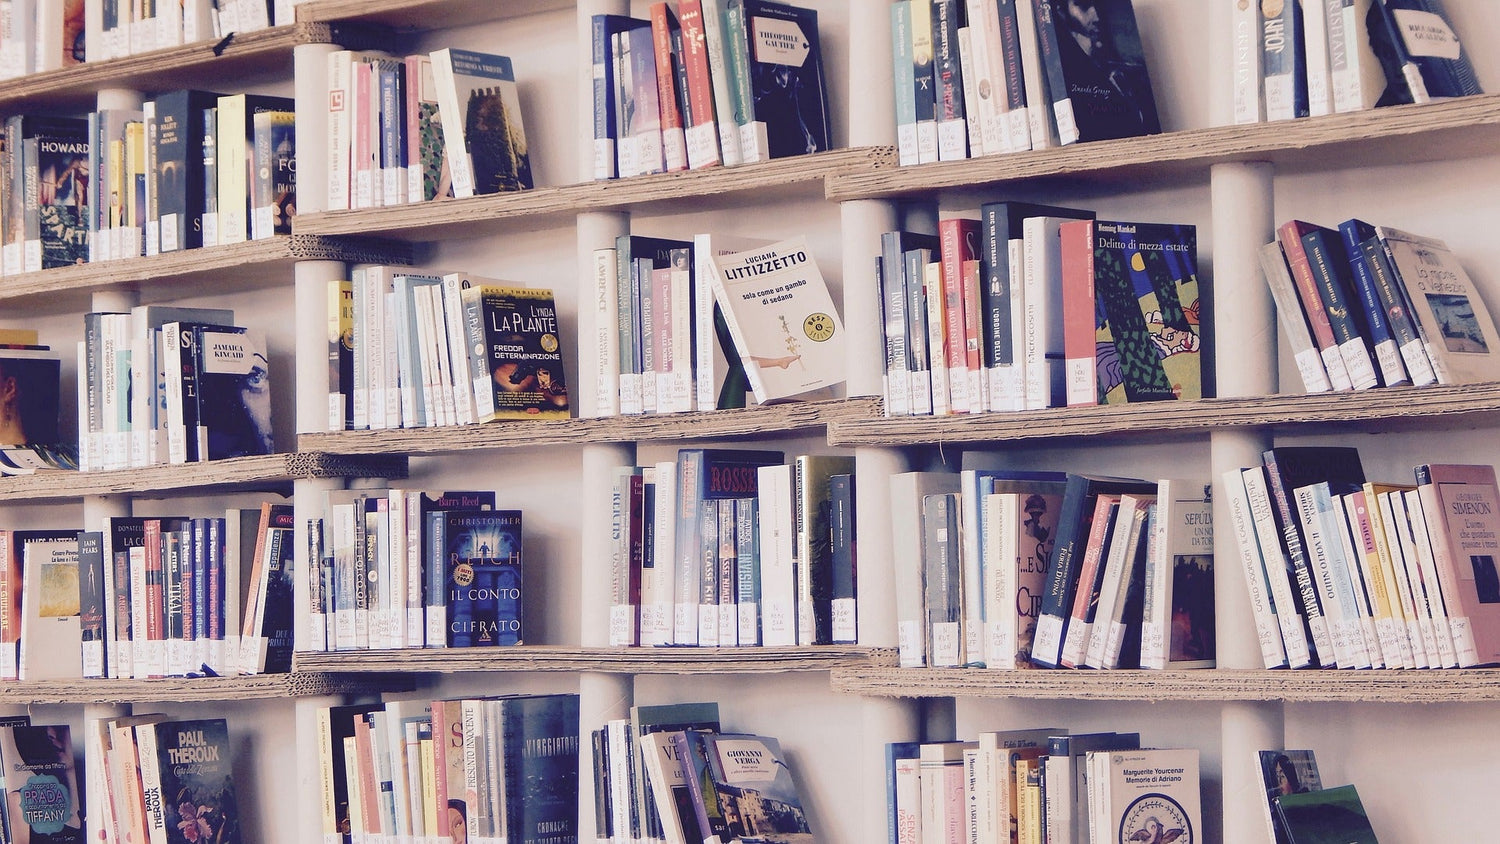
<point>1272,8</point>
<point>1156,819</point>
<point>463,574</point>
<point>818,327</point>
<point>549,343</point>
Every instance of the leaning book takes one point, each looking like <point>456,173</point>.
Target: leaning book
<point>516,360</point>
<point>756,792</point>
<point>782,319</point>
<point>481,116</point>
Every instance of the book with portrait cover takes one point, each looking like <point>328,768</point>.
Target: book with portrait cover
<point>782,319</point>
<point>1285,772</point>
<point>1328,816</point>
<point>30,396</point>
<point>516,357</point>
<point>789,109</point>
<point>482,129</point>
<point>1096,70</point>
<point>234,393</point>
<point>195,764</point>
<point>482,565</point>
<point>41,784</point>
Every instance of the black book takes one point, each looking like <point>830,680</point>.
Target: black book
<point>1414,58</point>
<point>540,745</point>
<point>1096,74</point>
<point>196,765</point>
<point>179,166</point>
<point>786,78</point>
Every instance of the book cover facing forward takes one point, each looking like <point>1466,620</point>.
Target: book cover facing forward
<point>483,561</point>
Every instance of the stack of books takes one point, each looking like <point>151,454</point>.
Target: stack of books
<point>1318,57</point>
<point>1011,569</point>
<point>1348,573</point>
<point>1034,306</point>
<point>705,83</point>
<point>727,548</point>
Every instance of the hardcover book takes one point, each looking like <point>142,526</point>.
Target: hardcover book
<point>273,191</point>
<point>782,319</point>
<point>482,127</point>
<point>482,561</point>
<point>1329,816</point>
<point>195,760</point>
<point>1097,75</point>
<point>179,167</point>
<point>790,110</point>
<point>41,784</point>
<point>517,363</point>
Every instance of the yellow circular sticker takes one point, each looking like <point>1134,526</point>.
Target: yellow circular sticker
<point>463,574</point>
<point>1272,8</point>
<point>549,343</point>
<point>818,327</point>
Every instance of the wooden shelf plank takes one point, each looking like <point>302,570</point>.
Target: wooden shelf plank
<point>424,14</point>
<point>196,689</point>
<point>624,660</point>
<point>1213,685</point>
<point>1359,411</point>
<point>778,420</point>
<point>210,62</point>
<point>256,263</point>
<point>246,472</point>
<point>523,210</point>
<point>1445,130</point>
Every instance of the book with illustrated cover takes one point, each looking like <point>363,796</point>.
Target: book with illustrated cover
<point>234,394</point>
<point>790,110</point>
<point>195,763</point>
<point>1150,795</point>
<point>517,363</point>
<point>1286,772</point>
<point>273,190</point>
<point>539,748</point>
<point>756,791</point>
<point>482,561</point>
<point>41,784</point>
<point>482,127</point>
<point>1328,816</point>
<point>30,397</point>
<point>428,176</point>
<point>782,319</point>
<point>1096,74</point>
<point>1452,318</point>
<point>56,164</point>
<point>51,632</point>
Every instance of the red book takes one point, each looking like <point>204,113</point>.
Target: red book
<point>974,338</point>
<point>958,241</point>
<point>1079,324</point>
<point>1290,236</point>
<point>156,617</point>
<point>702,136</point>
<point>1075,642</point>
<point>673,139</point>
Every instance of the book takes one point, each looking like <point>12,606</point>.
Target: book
<point>1284,60</point>
<point>51,632</point>
<point>1421,53</point>
<point>782,319</point>
<point>813,509</point>
<point>517,368</point>
<point>1460,504</point>
<point>55,162</point>
<point>486,146</point>
<point>1454,322</point>
<point>660,775</point>
<point>41,783</point>
<point>1097,75</point>
<point>1043,301</point>
<point>234,394</point>
<point>1147,795</point>
<point>1286,772</point>
<point>755,789</point>
<point>1178,601</point>
<point>273,191</point>
<point>1257,568</point>
<point>1139,333</point>
<point>482,561</point>
<point>908,491</point>
<point>179,171</point>
<point>539,753</point>
<point>196,760</point>
<point>1326,815</point>
<point>788,112</point>
<point>30,397</point>
<point>942,580</point>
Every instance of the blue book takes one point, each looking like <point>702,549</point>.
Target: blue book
<point>391,77</point>
<point>540,747</point>
<point>603,28</point>
<point>482,562</point>
<point>1332,275</point>
<point>1398,310</point>
<point>1284,59</point>
<point>1413,40</point>
<point>1382,339</point>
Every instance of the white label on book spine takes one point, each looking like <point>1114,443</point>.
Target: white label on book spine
<point>1417,364</point>
<point>708,625</point>
<point>1426,34</point>
<point>906,143</point>
<point>927,141</point>
<point>1357,361</point>
<point>621,626</point>
<point>1278,90</point>
<point>844,627</point>
<point>1048,641</point>
<point>754,143</point>
<point>729,626</point>
<point>1338,374</point>
<point>749,627</point>
<point>945,639</point>
<point>1389,358</point>
<point>674,148</point>
<point>1020,129</point>
<point>778,626</point>
<point>1314,376</point>
<point>702,145</point>
<point>909,643</point>
<point>685,624</point>
<point>1075,642</point>
<point>1463,640</point>
<point>953,136</point>
<point>1080,382</point>
<point>1067,126</point>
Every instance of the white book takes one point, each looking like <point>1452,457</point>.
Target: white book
<point>1002,550</point>
<point>1395,548</point>
<point>1358,79</point>
<point>1043,312</point>
<point>197,21</point>
<point>1042,130</point>
<point>17,53</point>
<point>458,76</point>
<point>51,639</point>
<point>606,333</point>
<point>1325,555</point>
<point>1119,558</point>
<point>1293,320</point>
<point>1244,23</point>
<point>1353,563</point>
<point>1315,52</point>
<point>458,348</point>
<point>908,489</point>
<point>1390,612</point>
<point>967,59</point>
<point>989,73</point>
<point>709,363</point>
<point>1443,640</point>
<point>657,614</point>
<point>675,387</point>
<point>1437,517</point>
<point>1279,573</point>
<point>778,579</point>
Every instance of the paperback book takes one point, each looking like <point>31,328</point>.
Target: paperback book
<point>517,364</point>
<point>482,558</point>
<point>485,137</point>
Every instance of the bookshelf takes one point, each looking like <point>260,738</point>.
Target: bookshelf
<point>843,702</point>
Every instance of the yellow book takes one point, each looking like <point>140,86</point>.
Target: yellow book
<point>232,146</point>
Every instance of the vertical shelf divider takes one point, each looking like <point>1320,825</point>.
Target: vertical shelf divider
<point>601,696</point>
<point>872,121</point>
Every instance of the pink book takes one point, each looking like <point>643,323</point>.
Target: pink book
<point>1079,324</point>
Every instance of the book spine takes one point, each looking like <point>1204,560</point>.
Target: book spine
<point>1267,629</point>
<point>1278,569</point>
<point>845,625</point>
<point>1444,542</point>
<point>1079,303</point>
<point>233,121</point>
<point>1315,38</point>
<point>604,116</point>
<point>754,142</point>
<point>937,338</point>
<point>715,40</point>
<point>1328,268</point>
<point>673,139</point>
<point>703,133</point>
<point>748,589</point>
<point>151,783</point>
<point>952,127</point>
<point>904,82</point>
<point>1284,63</point>
<point>728,573</point>
<point>1393,302</point>
<point>1244,22</point>
<point>919,355</point>
<point>940,557</point>
<point>1381,337</point>
<point>1007,68</point>
<point>924,81</point>
<point>1312,306</point>
<point>955,246</point>
<point>706,558</point>
<point>210,233</point>
<point>777,563</point>
<point>1292,320</point>
<point>893,316</point>
<point>1057,83</point>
